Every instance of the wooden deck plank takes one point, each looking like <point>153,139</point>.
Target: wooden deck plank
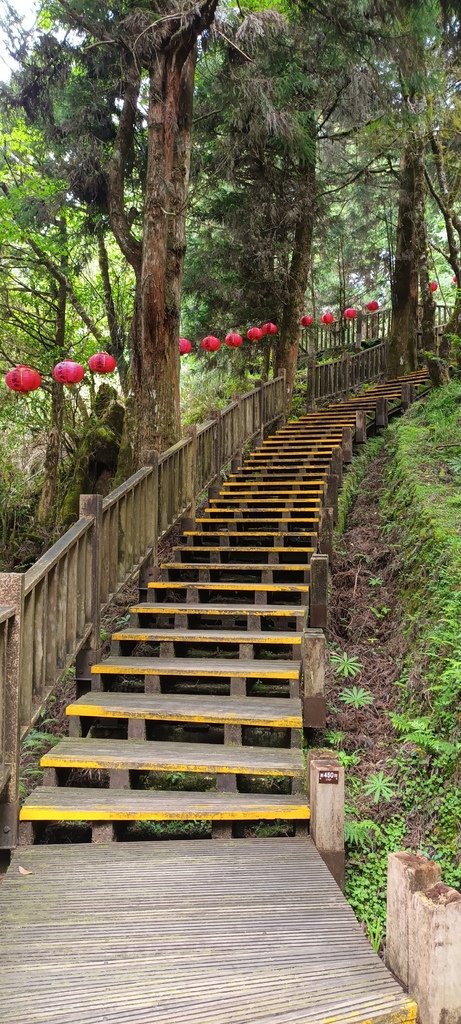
<point>195,933</point>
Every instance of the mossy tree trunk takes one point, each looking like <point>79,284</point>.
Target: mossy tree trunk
<point>403,334</point>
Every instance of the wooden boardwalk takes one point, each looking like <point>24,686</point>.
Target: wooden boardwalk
<point>210,684</point>
<point>186,933</point>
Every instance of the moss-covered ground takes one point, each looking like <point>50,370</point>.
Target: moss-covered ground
<point>395,641</point>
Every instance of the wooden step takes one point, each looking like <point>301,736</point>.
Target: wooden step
<point>204,636</point>
<point>258,610</point>
<point>75,804</point>
<point>247,535</point>
<point>194,667</point>
<point>155,756</point>
<point>238,550</point>
<point>277,712</point>
<point>268,588</point>
<point>233,567</point>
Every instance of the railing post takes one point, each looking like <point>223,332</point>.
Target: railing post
<point>152,512</point>
<point>313,668</point>
<point>283,412</point>
<point>217,447</point>
<point>192,471</point>
<point>326,799</point>
<point>90,507</point>
<point>262,412</point>
<point>311,375</point>
<point>12,596</point>
<point>382,414</point>
<point>318,596</point>
<point>360,426</point>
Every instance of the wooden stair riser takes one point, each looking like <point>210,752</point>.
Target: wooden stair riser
<point>254,616</point>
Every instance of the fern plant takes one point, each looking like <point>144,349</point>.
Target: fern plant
<point>380,787</point>
<point>346,665</point>
<point>356,697</point>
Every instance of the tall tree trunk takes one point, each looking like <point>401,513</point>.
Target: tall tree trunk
<point>403,335</point>
<point>155,349</point>
<point>289,337</point>
<point>47,502</point>
<point>426,297</point>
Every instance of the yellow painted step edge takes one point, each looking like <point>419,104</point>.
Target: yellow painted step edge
<point>118,668</point>
<point>283,812</point>
<point>93,711</point>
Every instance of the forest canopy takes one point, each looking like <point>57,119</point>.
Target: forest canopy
<point>188,168</point>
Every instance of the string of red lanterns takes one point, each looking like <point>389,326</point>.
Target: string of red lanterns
<point>24,379</point>
<point>232,340</point>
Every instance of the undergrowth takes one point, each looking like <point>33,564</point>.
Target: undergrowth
<point>414,801</point>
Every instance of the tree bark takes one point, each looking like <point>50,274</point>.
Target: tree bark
<point>426,297</point>
<point>290,334</point>
<point>403,335</point>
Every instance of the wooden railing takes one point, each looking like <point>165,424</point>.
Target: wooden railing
<point>50,615</point>
<point>366,329</point>
<point>338,377</point>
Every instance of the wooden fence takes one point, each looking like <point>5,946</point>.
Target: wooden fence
<point>50,615</point>
<point>366,329</point>
<point>337,378</point>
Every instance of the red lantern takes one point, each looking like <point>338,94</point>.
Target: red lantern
<point>327,318</point>
<point>211,344</point>
<point>68,372</point>
<point>269,328</point>
<point>455,280</point>
<point>433,286</point>
<point>102,362</point>
<point>185,346</point>
<point>350,313</point>
<point>233,340</point>
<point>255,334</point>
<point>307,321</point>
<point>23,379</point>
<point>373,306</point>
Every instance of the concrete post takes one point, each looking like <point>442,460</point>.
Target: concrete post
<point>326,794</point>
<point>407,873</point>
<point>313,669</point>
<point>408,396</point>
<point>434,978</point>
<point>347,444</point>
<point>382,415</point>
<point>360,426</point>
<point>326,532</point>
<point>319,592</point>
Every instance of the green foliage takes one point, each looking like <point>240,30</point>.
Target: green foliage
<point>346,665</point>
<point>380,787</point>
<point>353,479</point>
<point>356,697</point>
<point>420,513</point>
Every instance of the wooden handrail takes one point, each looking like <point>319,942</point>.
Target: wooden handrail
<point>50,615</point>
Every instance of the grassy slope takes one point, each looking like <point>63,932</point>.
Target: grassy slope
<point>418,508</point>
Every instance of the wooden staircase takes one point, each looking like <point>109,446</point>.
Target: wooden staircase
<point>205,685</point>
